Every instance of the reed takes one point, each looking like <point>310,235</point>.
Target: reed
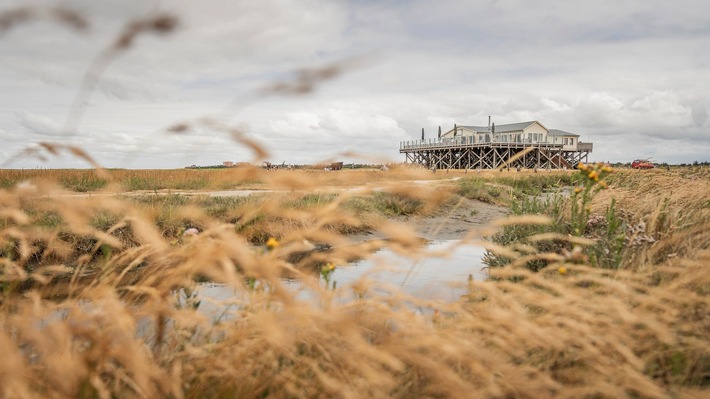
<point>98,296</point>
<point>603,296</point>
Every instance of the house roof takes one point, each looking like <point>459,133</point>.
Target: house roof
<point>557,132</point>
<point>510,127</point>
<point>515,127</point>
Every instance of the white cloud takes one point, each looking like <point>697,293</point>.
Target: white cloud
<point>38,125</point>
<point>617,73</point>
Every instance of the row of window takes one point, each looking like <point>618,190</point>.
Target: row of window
<point>510,138</point>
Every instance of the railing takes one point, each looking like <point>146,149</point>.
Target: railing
<point>585,146</point>
<point>465,142</point>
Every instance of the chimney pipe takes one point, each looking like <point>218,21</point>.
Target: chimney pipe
<point>489,122</point>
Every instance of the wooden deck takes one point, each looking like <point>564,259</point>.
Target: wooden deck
<point>453,154</point>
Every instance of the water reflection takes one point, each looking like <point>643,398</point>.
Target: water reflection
<point>429,278</point>
<point>441,274</point>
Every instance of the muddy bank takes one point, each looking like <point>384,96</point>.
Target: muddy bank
<point>467,217</point>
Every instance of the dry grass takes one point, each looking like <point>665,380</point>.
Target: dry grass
<point>118,318</point>
<point>669,208</point>
<point>97,292</point>
<point>114,180</point>
<point>82,180</point>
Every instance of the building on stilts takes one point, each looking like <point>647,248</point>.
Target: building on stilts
<point>528,145</point>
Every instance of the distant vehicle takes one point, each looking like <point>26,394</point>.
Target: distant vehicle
<point>642,164</point>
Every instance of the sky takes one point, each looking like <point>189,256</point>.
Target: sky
<point>630,76</point>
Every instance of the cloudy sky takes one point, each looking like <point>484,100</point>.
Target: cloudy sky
<point>633,77</point>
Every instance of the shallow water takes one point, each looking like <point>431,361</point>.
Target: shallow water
<point>429,278</point>
<point>440,275</point>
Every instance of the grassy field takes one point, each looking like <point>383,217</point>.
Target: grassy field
<point>111,180</point>
<point>598,286</point>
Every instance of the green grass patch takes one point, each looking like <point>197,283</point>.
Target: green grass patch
<point>538,183</point>
<point>312,200</point>
<point>394,204</point>
<point>198,183</point>
<point>513,234</point>
<point>83,182</point>
<point>136,183</point>
<point>477,188</point>
<point>221,208</point>
<point>385,204</point>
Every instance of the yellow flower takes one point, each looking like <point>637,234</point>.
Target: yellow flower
<point>329,267</point>
<point>593,175</point>
<point>607,169</point>
<point>578,190</point>
<point>562,270</point>
<point>581,166</point>
<point>272,243</point>
<point>603,184</point>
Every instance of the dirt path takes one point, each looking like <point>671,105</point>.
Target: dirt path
<point>247,192</point>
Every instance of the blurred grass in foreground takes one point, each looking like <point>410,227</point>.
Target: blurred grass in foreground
<point>96,291</point>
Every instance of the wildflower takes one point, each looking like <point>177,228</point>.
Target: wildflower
<point>607,169</point>
<point>593,175</point>
<point>581,166</point>
<point>578,190</point>
<point>603,184</point>
<point>329,267</point>
<point>272,243</point>
<point>562,270</point>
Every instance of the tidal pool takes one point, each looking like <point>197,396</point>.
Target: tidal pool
<point>431,277</point>
<point>440,274</point>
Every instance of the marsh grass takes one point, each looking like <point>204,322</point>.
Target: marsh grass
<point>537,183</point>
<point>80,180</point>
<point>245,177</point>
<point>83,181</point>
<point>645,219</point>
<point>396,204</point>
<point>512,186</point>
<point>98,297</point>
<point>98,292</point>
<point>479,189</point>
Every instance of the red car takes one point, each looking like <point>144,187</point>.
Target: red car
<point>642,164</point>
